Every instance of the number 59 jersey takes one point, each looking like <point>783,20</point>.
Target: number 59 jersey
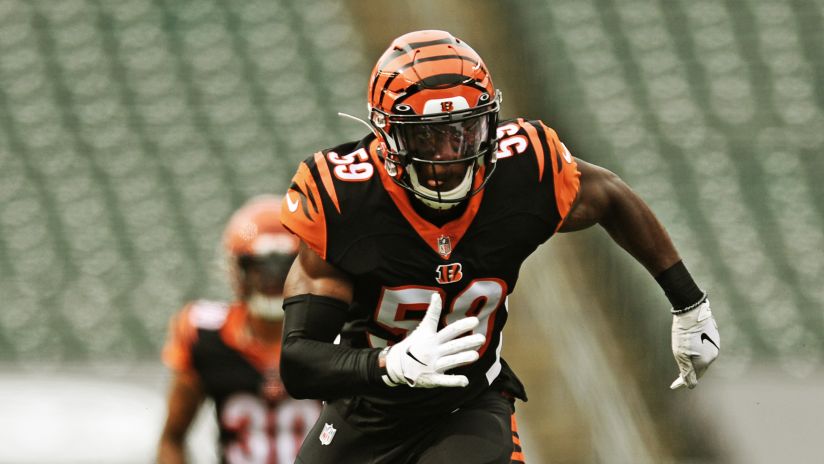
<point>346,208</point>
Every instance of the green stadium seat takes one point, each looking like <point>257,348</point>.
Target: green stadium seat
<point>721,116</point>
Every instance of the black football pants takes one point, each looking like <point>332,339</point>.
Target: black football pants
<point>478,433</point>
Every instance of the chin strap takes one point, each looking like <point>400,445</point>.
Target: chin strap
<point>458,192</point>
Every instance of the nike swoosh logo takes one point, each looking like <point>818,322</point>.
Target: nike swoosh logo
<point>292,205</point>
<point>706,337</point>
<point>416,359</point>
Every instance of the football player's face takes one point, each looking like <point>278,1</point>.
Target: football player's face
<point>444,142</point>
<point>265,274</point>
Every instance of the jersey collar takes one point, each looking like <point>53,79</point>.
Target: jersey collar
<point>442,240</point>
<point>263,356</point>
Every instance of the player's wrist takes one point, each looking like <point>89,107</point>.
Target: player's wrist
<point>687,309</point>
<point>383,369</point>
<point>681,290</point>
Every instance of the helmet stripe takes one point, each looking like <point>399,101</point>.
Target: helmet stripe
<point>408,48</point>
<point>423,83</point>
<point>442,80</point>
<point>437,58</point>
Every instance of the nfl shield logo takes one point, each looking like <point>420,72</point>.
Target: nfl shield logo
<point>327,434</point>
<point>444,246</point>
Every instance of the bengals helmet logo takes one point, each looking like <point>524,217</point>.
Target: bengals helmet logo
<point>449,273</point>
<point>447,106</point>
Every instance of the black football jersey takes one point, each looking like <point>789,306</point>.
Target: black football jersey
<point>257,421</point>
<point>343,204</point>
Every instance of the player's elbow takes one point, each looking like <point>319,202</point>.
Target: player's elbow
<point>294,371</point>
<point>613,187</point>
<point>616,196</point>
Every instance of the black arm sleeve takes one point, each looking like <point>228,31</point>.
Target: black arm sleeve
<point>311,366</point>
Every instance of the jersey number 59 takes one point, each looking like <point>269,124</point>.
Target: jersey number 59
<point>481,298</point>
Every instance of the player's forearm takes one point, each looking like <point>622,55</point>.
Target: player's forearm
<point>311,365</point>
<point>170,452</point>
<point>322,370</point>
<point>632,224</point>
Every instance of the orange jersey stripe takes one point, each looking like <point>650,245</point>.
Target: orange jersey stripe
<point>517,456</point>
<point>302,211</point>
<point>326,178</point>
<point>565,172</point>
<point>177,353</point>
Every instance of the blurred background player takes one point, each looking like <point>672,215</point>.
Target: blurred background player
<point>230,352</point>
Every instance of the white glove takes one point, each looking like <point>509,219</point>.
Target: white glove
<point>695,344</point>
<point>420,359</point>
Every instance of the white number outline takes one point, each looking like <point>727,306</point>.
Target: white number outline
<point>394,302</point>
<point>264,432</point>
<point>486,313</point>
<point>347,169</point>
<point>505,145</point>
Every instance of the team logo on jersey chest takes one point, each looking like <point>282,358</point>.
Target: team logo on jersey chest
<point>444,245</point>
<point>449,273</point>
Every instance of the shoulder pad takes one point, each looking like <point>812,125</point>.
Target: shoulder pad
<point>537,144</point>
<point>183,331</point>
<point>322,185</point>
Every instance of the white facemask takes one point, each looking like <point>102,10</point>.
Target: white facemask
<point>266,307</point>
<point>458,192</point>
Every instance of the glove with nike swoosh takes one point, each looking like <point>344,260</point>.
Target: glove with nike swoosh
<point>695,343</point>
<point>420,359</point>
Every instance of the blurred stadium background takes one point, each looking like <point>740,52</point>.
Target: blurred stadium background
<point>130,129</point>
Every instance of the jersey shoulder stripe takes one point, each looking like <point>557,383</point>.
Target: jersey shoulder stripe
<point>302,210</point>
<point>326,179</point>
<point>327,189</point>
<point>538,144</point>
<point>566,177</point>
<point>538,148</point>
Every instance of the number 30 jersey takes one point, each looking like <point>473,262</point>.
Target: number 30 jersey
<point>258,422</point>
<point>344,206</point>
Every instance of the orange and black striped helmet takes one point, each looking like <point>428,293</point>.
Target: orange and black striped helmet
<point>430,88</point>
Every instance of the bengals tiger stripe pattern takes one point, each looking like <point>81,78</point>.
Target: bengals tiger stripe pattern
<point>517,453</point>
<point>427,60</point>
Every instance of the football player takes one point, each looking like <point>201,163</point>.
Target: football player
<point>411,240</point>
<point>230,352</point>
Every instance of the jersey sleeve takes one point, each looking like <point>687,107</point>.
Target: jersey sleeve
<point>177,351</point>
<point>566,177</point>
<point>302,210</point>
<point>539,148</point>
